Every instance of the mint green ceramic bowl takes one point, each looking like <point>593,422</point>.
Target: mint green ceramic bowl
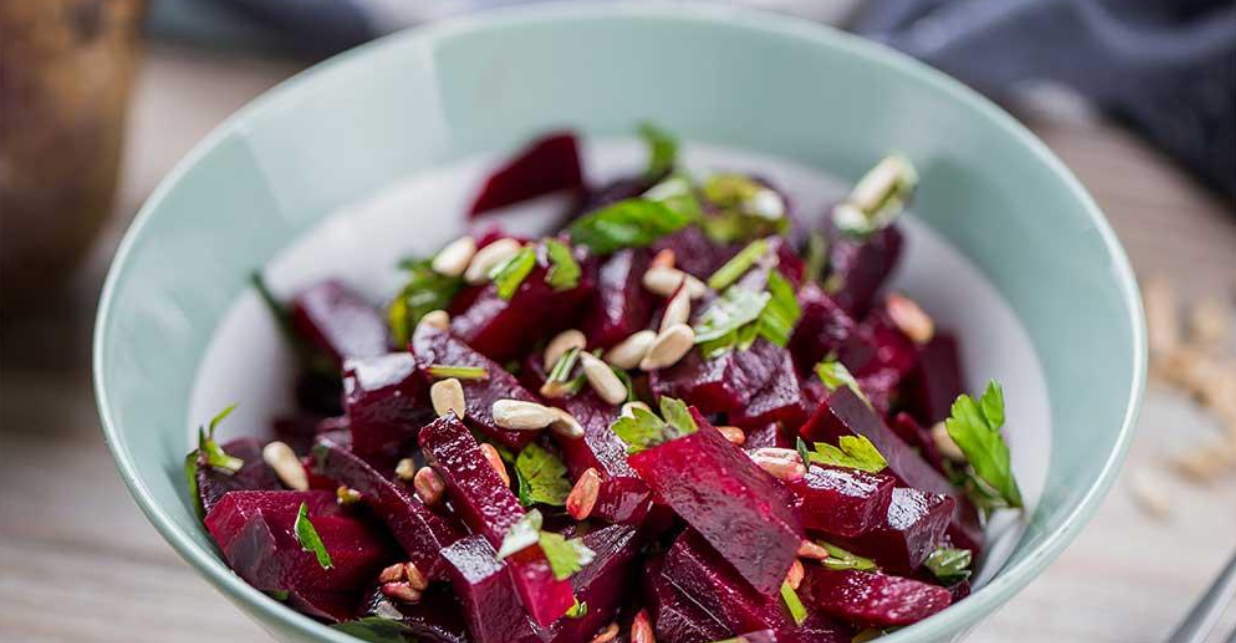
<point>347,128</point>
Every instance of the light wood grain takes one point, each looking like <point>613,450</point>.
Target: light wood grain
<point>79,563</point>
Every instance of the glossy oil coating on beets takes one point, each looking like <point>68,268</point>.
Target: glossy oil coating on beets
<point>745,513</point>
<point>913,528</point>
<point>383,398</point>
<point>492,607</point>
<point>621,305</point>
<point>872,599</point>
<point>936,380</point>
<point>548,164</point>
<point>339,322</point>
<point>677,619</point>
<point>843,502</point>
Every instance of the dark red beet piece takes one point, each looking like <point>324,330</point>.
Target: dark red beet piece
<point>871,599</point>
<point>960,590</point>
<point>490,509</point>
<point>623,497</point>
<point>918,437</point>
<point>936,380</point>
<point>773,434</point>
<point>421,532</point>
<point>822,329</point>
<point>603,583</point>
<point>435,346</point>
<point>621,305</point>
<point>711,385</point>
<point>332,607</point>
<point>383,398</point>
<point>675,618</point>
<point>698,571</point>
<point>913,528</point>
<point>843,502</point>
<point>778,400</point>
<point>844,413</point>
<point>266,553</point>
<point>491,605</point>
<point>695,253</point>
<point>744,512</point>
<point>297,430</point>
<point>861,266</point>
<point>436,618</point>
<point>255,475</point>
<point>338,321</point>
<point>548,164</point>
<point>228,517</point>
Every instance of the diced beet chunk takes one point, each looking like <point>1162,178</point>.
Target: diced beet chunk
<point>420,531</point>
<point>936,380</point>
<point>779,399</point>
<point>490,509</point>
<point>843,502</point>
<point>268,555</point>
<point>623,496</point>
<point>255,475</point>
<point>621,305</point>
<point>491,605</point>
<point>711,385</point>
<point>603,583</point>
<point>548,164</point>
<point>823,328</point>
<point>435,346</point>
<point>332,607</point>
<point>913,528</point>
<point>383,398</point>
<point>860,266</point>
<point>871,599</point>
<point>773,434</point>
<point>745,513</point>
<point>844,413</point>
<point>695,252</point>
<point>698,571</point>
<point>920,438</point>
<point>677,619</point>
<point>339,322</point>
<point>436,618</point>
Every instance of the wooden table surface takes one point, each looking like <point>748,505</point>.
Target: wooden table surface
<point>78,562</point>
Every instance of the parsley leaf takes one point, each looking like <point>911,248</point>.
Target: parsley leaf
<point>522,535</point>
<point>426,290</point>
<point>841,560</point>
<point>735,308</point>
<point>855,452</point>
<point>975,427</point>
<point>443,371</point>
<point>678,194</point>
<point>542,477</point>
<point>566,557</point>
<point>662,150</point>
<point>644,430</point>
<point>375,629</point>
<point>509,274</point>
<point>797,611</point>
<point>213,454</point>
<point>564,271</point>
<point>834,375</point>
<point>308,537</point>
<point>625,224</point>
<point>738,265</point>
<point>779,317</point>
<point>949,565</point>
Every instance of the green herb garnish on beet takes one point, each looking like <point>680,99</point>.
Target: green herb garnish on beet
<point>508,275</point>
<point>564,271</point>
<point>677,193</point>
<point>307,536</point>
<point>834,375</point>
<point>578,610</point>
<point>739,316</point>
<point>854,452</point>
<point>797,610</point>
<point>443,371</point>
<point>840,559</point>
<point>645,430</point>
<point>662,150</point>
<point>738,265</point>
<point>214,455</point>
<point>542,477</point>
<point>426,290</point>
<point>631,223</point>
<point>975,427</point>
<point>949,565</point>
<point>746,209</point>
<point>782,312</point>
<point>565,556</point>
<point>878,198</point>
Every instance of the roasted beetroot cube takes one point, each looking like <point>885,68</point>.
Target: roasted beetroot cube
<point>959,590</point>
<point>437,618</point>
<point>297,430</point>
<point>622,305</point>
<point>491,605</point>
<point>698,571</point>
<point>779,399</point>
<point>490,509</point>
<point>936,380</point>
<point>744,512</point>
<point>822,329</point>
<point>338,321</point>
<point>623,497</point>
<point>677,619</point>
<point>548,164</point>
<point>421,532</point>
<point>871,599</point>
<point>228,516</point>
<point>383,398</point>
<point>434,346</point>
<point>914,527</point>
<point>255,475</point>
<point>860,266</point>
<point>843,502</point>
<point>711,385</point>
<point>695,252</point>
<point>332,607</point>
<point>918,437</point>
<point>844,413</point>
<point>773,434</point>
<point>603,583</point>
<point>268,555</point>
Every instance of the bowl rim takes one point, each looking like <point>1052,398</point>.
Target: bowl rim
<point>984,601</point>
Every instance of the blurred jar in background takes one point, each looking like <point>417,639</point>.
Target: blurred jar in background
<point>66,67</point>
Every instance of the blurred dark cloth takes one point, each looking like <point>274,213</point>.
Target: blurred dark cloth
<point>1167,68</point>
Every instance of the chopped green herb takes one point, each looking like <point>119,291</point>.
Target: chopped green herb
<point>277,310</point>
<point>779,317</point>
<point>735,308</point>
<point>578,610</point>
<point>950,566</point>
<point>522,535</point>
<point>509,274</point>
<point>191,480</point>
<point>645,430</point>
<point>280,595</point>
<point>566,557</point>
<point>841,560</point>
<point>678,194</point>
<point>624,377</point>
<point>375,629</point>
<point>662,150</point>
<point>855,452</point>
<point>678,416</point>
<point>975,427</point>
<point>426,290</point>
<point>738,265</point>
<point>213,454</point>
<point>542,477</point>
<point>817,256</point>
<point>308,537</point>
<point>872,633</point>
<point>443,371</point>
<point>834,375</point>
<point>878,197</point>
<point>564,271</point>
<point>562,369</point>
<point>739,316</point>
<point>731,190</point>
<point>747,209</point>
<point>797,611</point>
<point>804,451</point>
<point>626,224</point>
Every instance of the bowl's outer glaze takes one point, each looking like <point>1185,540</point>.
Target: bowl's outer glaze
<point>346,128</point>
